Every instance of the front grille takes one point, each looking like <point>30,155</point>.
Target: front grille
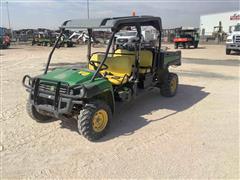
<point>237,39</point>
<point>52,88</point>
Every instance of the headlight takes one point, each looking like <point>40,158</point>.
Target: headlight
<point>229,40</point>
<point>78,91</point>
<point>82,92</point>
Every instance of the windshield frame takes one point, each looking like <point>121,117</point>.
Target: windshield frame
<point>111,41</point>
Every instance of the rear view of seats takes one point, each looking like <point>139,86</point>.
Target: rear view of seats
<point>146,59</point>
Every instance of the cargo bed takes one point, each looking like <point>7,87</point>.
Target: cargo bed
<point>169,58</point>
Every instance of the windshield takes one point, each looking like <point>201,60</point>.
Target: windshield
<point>127,33</point>
<point>237,27</point>
<point>184,36</point>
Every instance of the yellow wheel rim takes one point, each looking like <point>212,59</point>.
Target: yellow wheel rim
<point>173,85</point>
<point>100,120</point>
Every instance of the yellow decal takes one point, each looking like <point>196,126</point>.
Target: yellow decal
<point>84,73</point>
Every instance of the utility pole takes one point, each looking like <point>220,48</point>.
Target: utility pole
<point>9,24</point>
<point>88,9</point>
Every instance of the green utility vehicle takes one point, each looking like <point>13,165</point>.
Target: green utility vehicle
<point>89,94</point>
<point>42,39</point>
<point>48,39</point>
<point>186,37</point>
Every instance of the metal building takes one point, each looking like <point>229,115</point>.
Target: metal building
<point>210,23</point>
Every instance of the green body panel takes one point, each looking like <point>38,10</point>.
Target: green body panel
<point>97,87</point>
<point>168,58</point>
<point>76,76</point>
<point>44,41</point>
<point>68,75</point>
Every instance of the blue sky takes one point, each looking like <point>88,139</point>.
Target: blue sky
<point>51,13</point>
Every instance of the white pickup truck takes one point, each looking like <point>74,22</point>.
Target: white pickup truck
<point>131,36</point>
<point>233,40</point>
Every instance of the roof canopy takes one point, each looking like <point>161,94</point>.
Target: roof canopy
<point>186,29</point>
<point>115,23</point>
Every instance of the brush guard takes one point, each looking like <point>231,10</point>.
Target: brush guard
<point>61,103</point>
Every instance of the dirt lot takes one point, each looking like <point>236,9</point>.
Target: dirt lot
<point>192,135</point>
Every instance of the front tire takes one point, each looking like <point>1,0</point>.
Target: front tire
<point>170,85</point>
<point>196,45</point>
<point>184,45</point>
<point>66,45</point>
<point>32,112</point>
<point>176,46</point>
<point>94,120</point>
<point>228,51</point>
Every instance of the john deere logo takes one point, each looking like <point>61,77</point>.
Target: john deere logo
<point>52,88</point>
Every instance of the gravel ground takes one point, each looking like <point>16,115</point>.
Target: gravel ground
<point>192,135</point>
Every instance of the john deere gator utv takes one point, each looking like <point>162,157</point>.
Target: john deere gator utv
<point>89,94</point>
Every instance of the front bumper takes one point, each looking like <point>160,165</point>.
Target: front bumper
<point>233,46</point>
<point>54,102</point>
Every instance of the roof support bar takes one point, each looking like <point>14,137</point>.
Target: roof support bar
<point>89,44</point>
<point>53,49</point>
<point>105,56</point>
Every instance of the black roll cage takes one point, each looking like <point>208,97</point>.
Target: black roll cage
<point>137,25</point>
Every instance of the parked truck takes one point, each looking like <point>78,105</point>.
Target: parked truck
<point>130,36</point>
<point>5,39</point>
<point>233,40</point>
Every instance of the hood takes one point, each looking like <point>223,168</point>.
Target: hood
<point>72,76</point>
<point>234,33</point>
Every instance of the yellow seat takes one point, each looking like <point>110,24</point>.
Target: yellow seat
<point>119,68</point>
<point>146,58</point>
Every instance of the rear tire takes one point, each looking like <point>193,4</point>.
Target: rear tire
<point>91,122</point>
<point>32,112</point>
<point>228,51</point>
<point>170,85</point>
<point>184,45</point>
<point>176,46</point>
<point>196,45</point>
<point>66,45</point>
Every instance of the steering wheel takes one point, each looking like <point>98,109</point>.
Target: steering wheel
<point>93,63</point>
